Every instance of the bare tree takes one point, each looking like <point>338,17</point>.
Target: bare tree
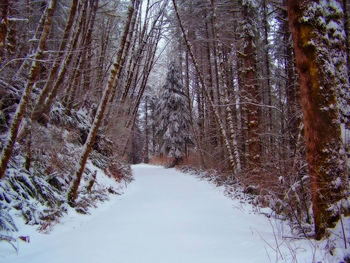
<point>54,70</point>
<point>21,109</point>
<point>73,193</point>
<point>204,87</point>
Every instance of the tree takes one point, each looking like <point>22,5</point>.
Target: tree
<point>146,150</point>
<point>21,109</point>
<point>250,84</point>
<point>3,25</point>
<point>317,29</point>
<point>173,116</point>
<point>54,70</point>
<point>205,89</point>
<point>73,192</point>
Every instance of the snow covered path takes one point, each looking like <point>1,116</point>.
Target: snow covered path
<point>163,217</point>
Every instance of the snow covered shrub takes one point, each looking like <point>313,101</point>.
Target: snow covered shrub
<point>76,120</point>
<point>99,160</point>
<point>103,145</point>
<point>7,226</point>
<point>38,193</point>
<point>33,197</point>
<point>120,171</point>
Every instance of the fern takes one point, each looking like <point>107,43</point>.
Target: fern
<point>7,225</point>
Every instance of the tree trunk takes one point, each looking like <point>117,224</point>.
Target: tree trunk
<point>73,192</point>
<point>146,156</point>
<point>205,89</point>
<point>266,51</point>
<point>320,80</point>
<point>56,65</point>
<point>39,29</point>
<point>222,75</point>
<point>3,25</point>
<point>250,85</point>
<point>81,70</point>
<point>40,109</point>
<point>21,109</point>
<point>291,89</point>
<point>346,7</point>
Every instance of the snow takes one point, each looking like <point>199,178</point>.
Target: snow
<point>165,216</point>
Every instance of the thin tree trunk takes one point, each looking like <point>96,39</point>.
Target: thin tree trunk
<point>73,192</point>
<point>3,25</point>
<point>28,158</point>
<point>222,75</point>
<point>140,50</point>
<point>146,72</point>
<point>251,87</point>
<point>194,130</point>
<point>82,59</point>
<point>56,65</point>
<point>212,129</point>
<point>127,47</point>
<point>201,79</point>
<point>146,156</point>
<point>63,69</point>
<point>21,109</point>
<point>38,31</point>
<point>267,75</point>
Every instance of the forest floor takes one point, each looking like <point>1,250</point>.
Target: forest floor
<point>166,216</point>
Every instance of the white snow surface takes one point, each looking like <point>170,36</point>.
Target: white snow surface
<point>165,216</point>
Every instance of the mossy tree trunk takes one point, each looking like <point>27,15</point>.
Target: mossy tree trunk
<point>317,30</point>
<point>73,192</point>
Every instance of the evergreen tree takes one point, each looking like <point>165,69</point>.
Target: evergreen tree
<point>173,116</point>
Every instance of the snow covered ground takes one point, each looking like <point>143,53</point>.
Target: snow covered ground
<point>165,216</point>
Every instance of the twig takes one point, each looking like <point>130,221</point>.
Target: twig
<point>342,228</point>
<point>299,238</point>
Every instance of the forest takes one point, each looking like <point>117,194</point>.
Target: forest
<point>253,92</point>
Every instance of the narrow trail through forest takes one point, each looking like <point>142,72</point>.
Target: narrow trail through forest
<point>164,216</point>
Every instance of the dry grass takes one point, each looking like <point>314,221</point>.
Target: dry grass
<point>160,160</point>
<point>192,160</point>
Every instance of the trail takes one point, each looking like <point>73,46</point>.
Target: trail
<point>164,217</point>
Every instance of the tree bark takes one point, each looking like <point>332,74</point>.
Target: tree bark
<point>146,155</point>
<point>320,80</point>
<point>250,85</point>
<point>222,75</point>
<point>346,7</point>
<point>3,25</point>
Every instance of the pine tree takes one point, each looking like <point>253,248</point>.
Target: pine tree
<point>173,116</point>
